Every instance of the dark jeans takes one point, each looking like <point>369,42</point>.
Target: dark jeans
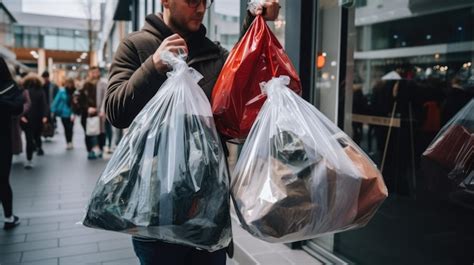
<point>6,196</point>
<point>33,141</point>
<point>151,252</point>
<point>67,124</point>
<point>108,134</point>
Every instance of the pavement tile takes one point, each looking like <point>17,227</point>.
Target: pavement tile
<point>273,259</point>
<point>11,239</point>
<point>70,224</point>
<point>131,261</point>
<point>59,252</point>
<point>54,219</point>
<point>299,257</point>
<point>107,256</point>
<point>95,237</point>
<point>115,244</point>
<point>59,234</point>
<point>25,229</point>
<point>74,205</point>
<point>10,258</point>
<point>20,247</point>
<point>40,262</point>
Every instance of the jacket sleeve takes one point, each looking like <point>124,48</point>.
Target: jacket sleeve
<point>131,85</point>
<point>14,105</point>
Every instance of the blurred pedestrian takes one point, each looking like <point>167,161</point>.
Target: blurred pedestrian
<point>11,104</point>
<point>32,122</point>
<point>17,143</point>
<point>456,99</point>
<point>50,89</point>
<point>85,103</point>
<point>96,78</point>
<point>62,108</point>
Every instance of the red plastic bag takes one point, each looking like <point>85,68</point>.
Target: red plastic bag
<point>237,98</point>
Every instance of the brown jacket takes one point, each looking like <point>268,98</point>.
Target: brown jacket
<point>133,79</point>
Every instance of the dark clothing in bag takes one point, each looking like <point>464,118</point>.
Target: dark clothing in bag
<point>183,210</point>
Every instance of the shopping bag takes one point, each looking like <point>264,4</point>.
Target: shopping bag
<point>299,176</point>
<point>93,126</point>
<point>236,97</point>
<point>168,178</point>
<point>452,149</point>
<point>48,129</point>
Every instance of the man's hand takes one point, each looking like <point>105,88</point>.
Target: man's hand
<point>24,119</point>
<point>174,44</point>
<point>269,10</point>
<point>45,120</point>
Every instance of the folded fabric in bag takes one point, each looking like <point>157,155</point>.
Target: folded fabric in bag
<point>453,147</point>
<point>298,176</point>
<point>168,178</point>
<point>237,98</point>
<point>372,189</point>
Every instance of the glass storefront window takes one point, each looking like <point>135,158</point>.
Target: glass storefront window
<point>439,28</point>
<point>50,42</point>
<point>66,43</point>
<point>222,22</point>
<point>81,44</point>
<point>400,99</point>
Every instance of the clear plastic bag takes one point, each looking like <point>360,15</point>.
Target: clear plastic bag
<point>299,176</point>
<point>168,178</point>
<point>452,150</point>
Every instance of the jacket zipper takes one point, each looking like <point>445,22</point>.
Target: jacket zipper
<point>7,89</point>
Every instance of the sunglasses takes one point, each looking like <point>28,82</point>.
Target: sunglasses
<point>196,3</point>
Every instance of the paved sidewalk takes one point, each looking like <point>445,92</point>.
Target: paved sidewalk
<point>51,198</point>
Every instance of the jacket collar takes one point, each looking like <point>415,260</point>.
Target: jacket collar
<point>199,45</point>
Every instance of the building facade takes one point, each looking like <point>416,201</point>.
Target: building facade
<point>52,41</point>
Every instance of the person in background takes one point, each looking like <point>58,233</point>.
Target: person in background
<point>101,88</point>
<point>456,99</point>
<point>50,90</point>
<point>11,104</point>
<point>62,108</point>
<point>17,144</point>
<point>32,122</point>
<point>84,104</point>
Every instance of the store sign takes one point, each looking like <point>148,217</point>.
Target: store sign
<point>376,120</point>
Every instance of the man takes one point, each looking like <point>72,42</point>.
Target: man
<point>50,90</point>
<point>136,74</point>
<point>101,88</point>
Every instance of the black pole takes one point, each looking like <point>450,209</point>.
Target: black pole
<point>342,68</point>
<point>307,45</point>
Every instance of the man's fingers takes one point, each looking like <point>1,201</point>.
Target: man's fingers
<point>178,49</point>
<point>173,37</point>
<point>177,42</point>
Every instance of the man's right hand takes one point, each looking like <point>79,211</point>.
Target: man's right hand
<point>172,44</point>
